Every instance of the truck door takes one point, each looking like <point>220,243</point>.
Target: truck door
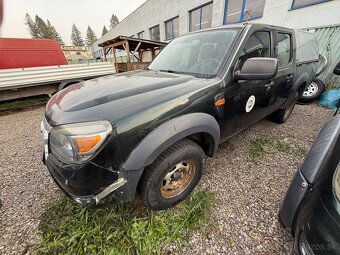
<point>252,97</point>
<point>283,41</point>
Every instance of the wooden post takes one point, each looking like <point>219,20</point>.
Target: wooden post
<point>140,53</point>
<point>153,54</point>
<point>114,56</point>
<point>104,54</point>
<point>128,52</point>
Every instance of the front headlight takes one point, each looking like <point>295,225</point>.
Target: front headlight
<point>75,143</point>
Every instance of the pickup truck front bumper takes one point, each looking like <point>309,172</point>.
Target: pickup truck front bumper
<point>90,184</point>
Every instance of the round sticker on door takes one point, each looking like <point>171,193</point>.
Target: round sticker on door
<point>250,103</point>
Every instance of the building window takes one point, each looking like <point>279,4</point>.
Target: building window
<point>172,28</point>
<point>283,49</point>
<point>243,10</point>
<point>257,46</point>
<point>200,18</point>
<point>154,33</point>
<point>140,35</point>
<point>296,4</point>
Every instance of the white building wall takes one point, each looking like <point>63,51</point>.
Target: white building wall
<point>156,12</point>
<point>276,12</point>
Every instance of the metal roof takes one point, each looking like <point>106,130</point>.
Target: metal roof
<point>133,42</point>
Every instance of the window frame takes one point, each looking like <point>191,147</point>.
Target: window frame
<point>291,47</point>
<point>242,13</point>
<point>159,29</point>
<point>141,32</point>
<point>196,8</point>
<point>271,40</point>
<point>172,27</point>
<point>292,7</point>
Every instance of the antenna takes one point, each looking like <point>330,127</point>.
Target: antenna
<point>253,10</point>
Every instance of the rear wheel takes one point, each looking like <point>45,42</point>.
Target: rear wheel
<point>281,116</point>
<point>313,91</point>
<point>172,176</point>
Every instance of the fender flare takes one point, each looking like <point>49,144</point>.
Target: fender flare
<point>64,83</point>
<point>303,78</point>
<point>168,134</point>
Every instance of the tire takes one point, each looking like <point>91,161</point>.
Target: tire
<point>281,116</point>
<point>183,161</point>
<point>313,91</point>
<point>279,219</point>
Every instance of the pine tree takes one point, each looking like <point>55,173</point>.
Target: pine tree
<point>33,30</point>
<point>43,30</point>
<point>76,38</point>
<point>38,28</point>
<point>55,35</point>
<point>104,31</point>
<point>91,37</point>
<point>114,21</point>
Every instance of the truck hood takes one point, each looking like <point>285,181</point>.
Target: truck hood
<point>126,93</point>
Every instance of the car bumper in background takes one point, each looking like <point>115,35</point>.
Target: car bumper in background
<point>297,191</point>
<point>317,230</point>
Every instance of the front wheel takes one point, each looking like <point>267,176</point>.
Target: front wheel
<point>281,116</point>
<point>172,176</point>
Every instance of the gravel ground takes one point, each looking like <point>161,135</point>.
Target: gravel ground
<point>248,194</point>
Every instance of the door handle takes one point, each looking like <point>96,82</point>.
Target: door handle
<point>269,84</point>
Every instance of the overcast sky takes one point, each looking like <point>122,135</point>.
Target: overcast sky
<point>63,13</point>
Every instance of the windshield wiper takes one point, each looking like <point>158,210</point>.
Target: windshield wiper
<point>169,71</point>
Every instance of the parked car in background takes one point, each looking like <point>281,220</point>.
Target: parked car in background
<point>150,130</point>
<point>317,86</point>
<point>311,208</point>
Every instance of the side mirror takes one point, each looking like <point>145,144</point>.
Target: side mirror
<point>337,69</point>
<point>257,69</point>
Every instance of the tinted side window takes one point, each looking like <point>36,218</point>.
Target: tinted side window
<point>283,49</point>
<point>258,45</point>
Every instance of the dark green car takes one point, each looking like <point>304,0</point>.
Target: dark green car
<point>149,131</point>
<point>311,207</point>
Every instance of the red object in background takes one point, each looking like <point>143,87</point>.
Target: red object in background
<point>20,53</point>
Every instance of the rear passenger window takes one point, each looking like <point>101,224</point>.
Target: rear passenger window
<point>283,49</point>
<point>258,45</point>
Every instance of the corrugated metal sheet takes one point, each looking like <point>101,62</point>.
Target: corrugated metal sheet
<point>26,77</point>
<point>329,45</point>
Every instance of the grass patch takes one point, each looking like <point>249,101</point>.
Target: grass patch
<point>68,228</point>
<point>262,146</point>
<point>21,103</point>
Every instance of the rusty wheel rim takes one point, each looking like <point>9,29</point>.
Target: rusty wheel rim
<point>178,179</point>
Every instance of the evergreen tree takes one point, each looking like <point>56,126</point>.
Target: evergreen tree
<point>104,31</point>
<point>38,28</point>
<point>55,35</point>
<point>76,38</point>
<point>91,37</point>
<point>114,21</point>
<point>32,28</point>
<point>43,30</point>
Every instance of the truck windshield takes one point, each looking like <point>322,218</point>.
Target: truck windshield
<point>199,54</point>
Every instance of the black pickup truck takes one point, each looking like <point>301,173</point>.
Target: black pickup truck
<point>149,131</point>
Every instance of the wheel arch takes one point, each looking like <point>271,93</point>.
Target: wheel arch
<point>202,128</point>
<point>301,84</point>
<point>65,84</point>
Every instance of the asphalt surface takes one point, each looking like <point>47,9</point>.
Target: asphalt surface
<point>248,194</point>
